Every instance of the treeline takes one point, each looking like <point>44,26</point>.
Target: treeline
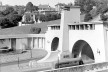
<point>13,14</point>
<point>92,8</point>
<point>42,17</point>
<point>9,18</point>
<point>48,17</point>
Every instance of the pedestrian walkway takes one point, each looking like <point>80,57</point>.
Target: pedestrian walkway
<point>29,54</point>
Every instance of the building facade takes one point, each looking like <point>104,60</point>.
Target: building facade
<point>75,39</point>
<point>69,39</point>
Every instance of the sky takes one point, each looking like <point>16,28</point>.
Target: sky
<point>35,2</point>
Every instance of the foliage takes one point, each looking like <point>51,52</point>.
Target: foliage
<point>14,19</point>
<point>101,7</point>
<point>86,5</point>
<point>8,11</point>
<point>9,18</point>
<point>28,18</point>
<point>10,21</point>
<point>30,7</point>
<point>104,17</point>
<point>35,8</point>
<point>87,17</point>
<point>4,23</point>
<point>70,4</point>
<point>48,17</point>
<point>21,12</point>
<point>35,30</point>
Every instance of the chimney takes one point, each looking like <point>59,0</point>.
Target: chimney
<point>70,15</point>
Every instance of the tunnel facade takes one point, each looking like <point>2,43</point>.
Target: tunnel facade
<point>82,49</point>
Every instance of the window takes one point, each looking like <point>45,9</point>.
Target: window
<point>82,27</point>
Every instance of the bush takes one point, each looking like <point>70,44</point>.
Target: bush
<point>87,17</point>
<point>48,17</point>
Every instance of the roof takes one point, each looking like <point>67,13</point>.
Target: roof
<point>86,23</point>
<point>54,25</point>
<point>28,29</point>
<point>21,36</point>
<point>60,4</point>
<point>43,6</point>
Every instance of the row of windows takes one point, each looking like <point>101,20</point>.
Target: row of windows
<point>82,27</point>
<point>55,27</point>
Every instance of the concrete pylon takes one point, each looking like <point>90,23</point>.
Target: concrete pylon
<point>67,17</point>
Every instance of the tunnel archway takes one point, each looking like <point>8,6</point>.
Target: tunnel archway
<point>82,49</point>
<point>55,44</point>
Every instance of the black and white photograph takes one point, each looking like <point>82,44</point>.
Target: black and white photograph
<point>53,35</point>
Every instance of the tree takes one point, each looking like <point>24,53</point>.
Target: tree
<point>14,19</point>
<point>8,11</point>
<point>85,5</point>
<point>4,23</point>
<point>1,14</point>
<point>87,17</point>
<point>48,17</point>
<point>70,4</point>
<point>35,8</point>
<point>28,17</point>
<point>10,20</point>
<point>29,7</point>
<point>104,17</point>
<point>14,12</point>
<point>42,18</point>
<point>21,12</point>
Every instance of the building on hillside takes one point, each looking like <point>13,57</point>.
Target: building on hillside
<point>0,3</point>
<point>48,12</point>
<point>32,18</point>
<point>28,18</point>
<point>2,7</point>
<point>59,7</point>
<point>44,8</point>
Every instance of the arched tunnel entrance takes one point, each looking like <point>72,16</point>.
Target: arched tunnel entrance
<point>82,49</point>
<point>55,44</point>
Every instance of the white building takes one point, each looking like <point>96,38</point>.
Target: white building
<point>23,38</point>
<point>69,38</point>
<point>74,39</point>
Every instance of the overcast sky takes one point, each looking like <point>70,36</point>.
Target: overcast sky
<point>35,2</point>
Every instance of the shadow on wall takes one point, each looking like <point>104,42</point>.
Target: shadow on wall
<point>82,49</point>
<point>5,43</point>
<point>55,44</point>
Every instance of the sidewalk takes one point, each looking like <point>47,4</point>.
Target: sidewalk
<point>35,54</point>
